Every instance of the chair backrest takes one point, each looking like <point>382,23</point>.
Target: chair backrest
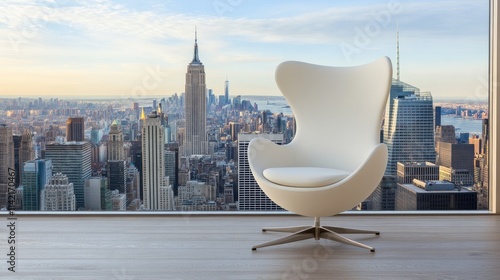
<point>338,110</point>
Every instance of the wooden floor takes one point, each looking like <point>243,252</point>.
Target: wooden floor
<point>219,247</point>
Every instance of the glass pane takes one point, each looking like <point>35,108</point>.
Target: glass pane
<point>150,105</point>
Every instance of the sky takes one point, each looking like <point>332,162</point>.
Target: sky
<point>133,49</point>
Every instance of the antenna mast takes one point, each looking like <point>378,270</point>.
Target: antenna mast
<point>397,50</point>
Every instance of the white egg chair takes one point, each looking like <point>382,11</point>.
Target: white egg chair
<point>335,160</point>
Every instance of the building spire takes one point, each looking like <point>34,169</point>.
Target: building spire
<point>196,59</point>
<point>397,49</point>
<point>143,115</point>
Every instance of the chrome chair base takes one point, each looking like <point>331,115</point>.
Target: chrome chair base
<point>317,232</point>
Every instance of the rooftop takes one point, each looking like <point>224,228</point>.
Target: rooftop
<point>434,189</point>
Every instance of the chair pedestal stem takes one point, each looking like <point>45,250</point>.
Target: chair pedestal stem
<point>317,232</point>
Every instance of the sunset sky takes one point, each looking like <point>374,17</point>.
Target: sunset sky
<point>123,49</point>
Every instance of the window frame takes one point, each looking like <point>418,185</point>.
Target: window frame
<point>494,105</point>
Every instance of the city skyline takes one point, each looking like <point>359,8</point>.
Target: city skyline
<point>130,50</point>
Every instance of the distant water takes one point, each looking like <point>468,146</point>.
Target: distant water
<point>278,104</point>
<point>471,126</point>
<point>275,104</point>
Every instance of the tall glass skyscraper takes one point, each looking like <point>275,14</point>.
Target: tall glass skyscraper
<point>72,159</point>
<point>36,174</point>
<point>226,91</point>
<point>408,126</point>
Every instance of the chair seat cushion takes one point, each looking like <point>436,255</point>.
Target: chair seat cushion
<point>304,176</point>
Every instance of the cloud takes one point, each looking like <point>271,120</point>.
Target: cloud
<point>331,25</point>
<point>102,34</point>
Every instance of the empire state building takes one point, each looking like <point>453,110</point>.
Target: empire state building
<point>195,107</point>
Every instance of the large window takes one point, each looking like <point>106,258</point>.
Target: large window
<point>85,82</point>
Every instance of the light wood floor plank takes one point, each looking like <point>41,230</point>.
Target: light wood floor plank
<point>219,247</point>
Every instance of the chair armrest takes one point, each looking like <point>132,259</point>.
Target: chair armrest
<point>374,165</point>
<point>263,153</point>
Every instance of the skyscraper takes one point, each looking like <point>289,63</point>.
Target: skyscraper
<point>170,167</point>
<point>211,97</point>
<point>75,129</point>
<point>250,196</point>
<point>97,194</point>
<point>408,129</point>
<point>226,91</point>
<point>6,163</point>
<point>133,179</point>
<point>18,165</point>
<point>136,158</point>
<point>476,141</point>
<point>445,134</point>
<point>173,147</point>
<point>153,161</point>
<point>384,196</point>
<point>408,126</point>
<point>26,151</point>
<point>96,136</point>
<point>456,163</point>
<point>437,116</point>
<point>485,136</point>
<point>35,175</point>
<point>117,175</point>
<point>116,167</point>
<point>481,169</point>
<point>434,195</point>
<point>234,129</point>
<point>195,107</point>
<point>424,171</point>
<point>58,194</point>
<point>23,152</point>
<point>73,159</point>
<point>457,156</point>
